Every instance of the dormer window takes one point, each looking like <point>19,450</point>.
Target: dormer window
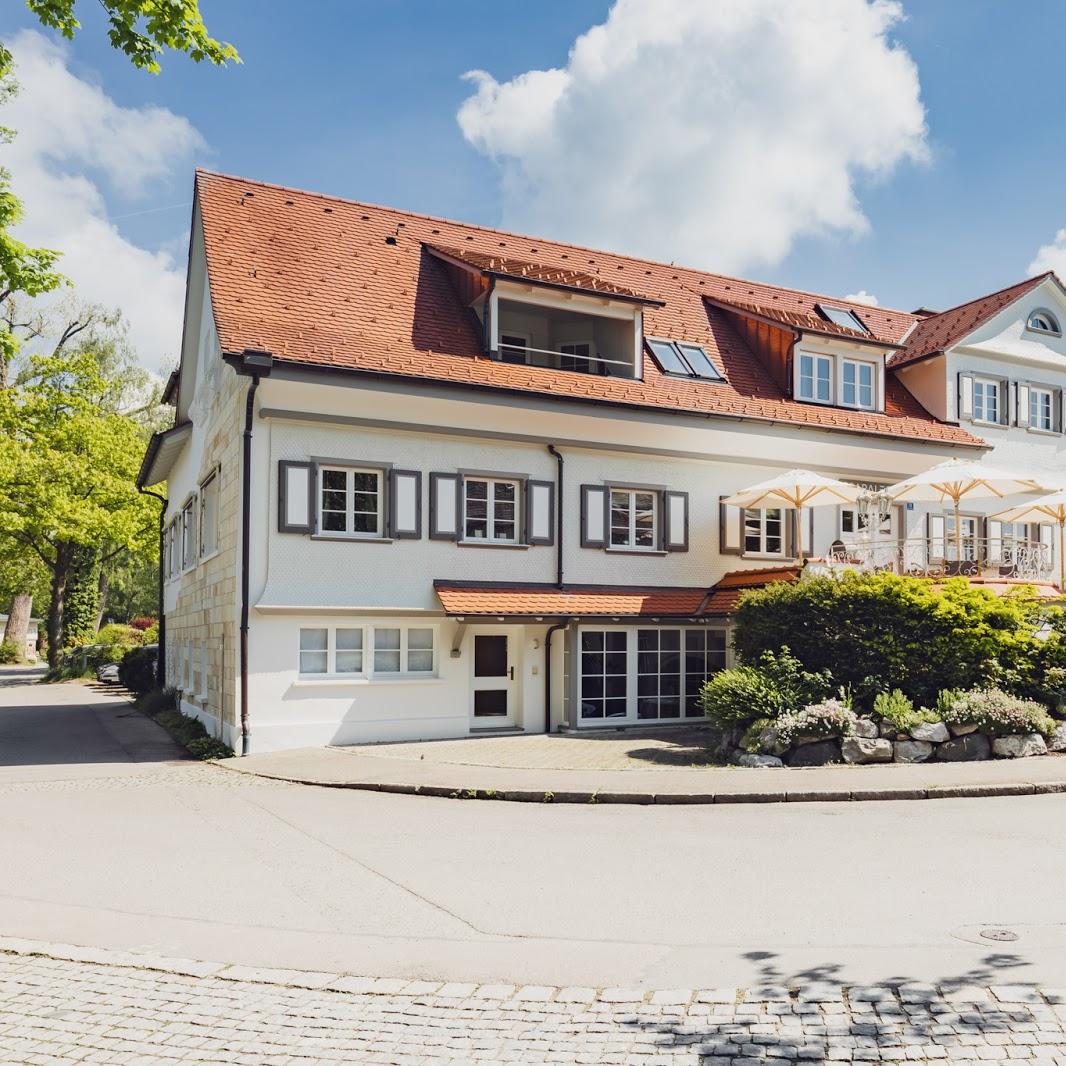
<point>683,359</point>
<point>1042,321</point>
<point>839,380</point>
<point>841,316</point>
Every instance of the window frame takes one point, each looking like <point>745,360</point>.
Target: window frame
<point>527,344</point>
<point>816,357</point>
<point>846,361</point>
<point>1052,394</point>
<point>212,481</point>
<point>349,470</point>
<point>188,557</point>
<point>1052,318</point>
<point>656,511</point>
<point>368,671</point>
<point>983,382</point>
<point>490,509</point>
<point>762,552</point>
<point>688,371</point>
<point>855,323</point>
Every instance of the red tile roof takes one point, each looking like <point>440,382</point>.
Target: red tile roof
<point>939,332</point>
<point>322,281</point>
<point>509,267</point>
<point>801,320</point>
<point>547,600</point>
<point>726,594</point>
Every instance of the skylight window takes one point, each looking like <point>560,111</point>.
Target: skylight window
<point>684,359</point>
<point>841,316</point>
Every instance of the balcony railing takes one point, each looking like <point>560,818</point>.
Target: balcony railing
<point>990,559</point>
<point>580,364</point>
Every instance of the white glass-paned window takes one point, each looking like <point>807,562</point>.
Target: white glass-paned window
<point>490,510</point>
<point>704,657</point>
<point>764,531</point>
<point>658,673</point>
<point>985,400</point>
<point>348,651</point>
<point>604,666</point>
<point>314,651</point>
<point>1041,408</point>
<point>1043,322</point>
<point>350,501</point>
<point>420,651</point>
<point>386,651</point>
<point>816,378</point>
<point>634,519</point>
<point>209,515</point>
<point>188,556</point>
<point>857,387</point>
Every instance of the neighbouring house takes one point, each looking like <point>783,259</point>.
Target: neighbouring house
<point>429,479</point>
<point>29,651</point>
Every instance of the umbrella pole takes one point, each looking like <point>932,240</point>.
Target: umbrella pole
<point>958,535</point>
<point>1062,553</point>
<point>799,533</point>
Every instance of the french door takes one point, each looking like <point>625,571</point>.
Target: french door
<point>493,681</point>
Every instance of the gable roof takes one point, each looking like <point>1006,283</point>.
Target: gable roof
<point>800,320</point>
<point>936,333</point>
<point>325,282</point>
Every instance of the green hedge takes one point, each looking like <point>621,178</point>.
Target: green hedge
<point>878,632</point>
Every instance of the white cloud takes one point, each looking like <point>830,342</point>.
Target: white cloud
<point>1051,256</point>
<point>73,143</point>
<point>714,134</point>
<point>863,297</point>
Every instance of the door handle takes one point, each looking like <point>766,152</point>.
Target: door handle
<point>510,670</point>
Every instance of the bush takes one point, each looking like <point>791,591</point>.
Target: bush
<point>117,633</point>
<point>161,706</point>
<point>830,718</point>
<point>10,652</point>
<point>137,669</point>
<point>998,713</point>
<point>879,632</point>
<point>144,623</point>
<point>896,707</point>
<point>151,634</point>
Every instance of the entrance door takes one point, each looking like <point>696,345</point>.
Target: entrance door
<point>493,681</point>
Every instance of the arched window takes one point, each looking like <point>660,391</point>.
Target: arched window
<point>1042,321</point>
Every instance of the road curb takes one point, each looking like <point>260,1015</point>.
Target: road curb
<point>595,797</point>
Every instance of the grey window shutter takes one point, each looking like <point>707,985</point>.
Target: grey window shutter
<point>593,516</point>
<point>445,508</point>
<point>965,411</point>
<point>405,504</point>
<point>540,512</point>
<point>994,538</point>
<point>935,527</point>
<point>1056,408</point>
<point>1021,416</point>
<point>730,528</point>
<point>675,521</point>
<point>1004,402</point>
<point>296,497</point>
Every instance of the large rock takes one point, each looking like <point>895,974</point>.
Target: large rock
<point>889,729</point>
<point>1019,747</point>
<point>866,728</point>
<point>815,753</point>
<point>912,750</point>
<point>969,748</point>
<point>770,741</point>
<point>864,750</point>
<point>758,762</point>
<point>930,732</point>
<point>962,730</point>
<point>1057,740</point>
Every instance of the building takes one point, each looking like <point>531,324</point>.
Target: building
<point>29,649</point>
<point>429,479</point>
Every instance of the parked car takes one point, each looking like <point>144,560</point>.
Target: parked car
<point>107,673</point>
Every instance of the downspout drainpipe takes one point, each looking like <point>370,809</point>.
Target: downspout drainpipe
<point>161,655</point>
<point>254,364</point>
<point>558,584</point>
<point>548,672</point>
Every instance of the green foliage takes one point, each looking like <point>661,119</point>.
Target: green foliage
<point>830,718</point>
<point>154,700</point>
<point>10,652</point>
<point>879,632</point>
<point>120,633</point>
<point>998,713</point>
<point>82,597</point>
<point>751,741</point>
<point>151,634</point>
<point>161,706</point>
<point>137,669</point>
<point>144,29</point>
<point>897,708</point>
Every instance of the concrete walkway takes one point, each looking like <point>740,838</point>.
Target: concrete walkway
<point>658,769</point>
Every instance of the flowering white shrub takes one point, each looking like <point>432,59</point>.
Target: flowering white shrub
<point>830,718</point>
<point>997,713</point>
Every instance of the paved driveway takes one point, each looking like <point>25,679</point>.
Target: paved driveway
<point>134,849</point>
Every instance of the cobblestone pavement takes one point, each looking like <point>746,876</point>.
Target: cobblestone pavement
<point>60,1010</point>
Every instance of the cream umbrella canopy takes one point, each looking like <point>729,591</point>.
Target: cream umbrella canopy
<point>796,489</point>
<point>1052,506</point>
<point>959,479</point>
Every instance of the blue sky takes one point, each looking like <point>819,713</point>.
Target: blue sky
<point>360,99</point>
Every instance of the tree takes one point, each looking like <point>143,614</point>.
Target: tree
<point>69,456</point>
<point>144,29</point>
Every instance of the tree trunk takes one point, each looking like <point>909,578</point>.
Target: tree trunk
<point>18,621</point>
<point>56,608</point>
<point>103,589</point>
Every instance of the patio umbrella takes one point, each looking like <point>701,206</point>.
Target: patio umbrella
<point>1052,506</point>
<point>796,489</point>
<point>959,479</point>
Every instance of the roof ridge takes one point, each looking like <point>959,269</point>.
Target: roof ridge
<point>548,240</point>
<point>989,295</point>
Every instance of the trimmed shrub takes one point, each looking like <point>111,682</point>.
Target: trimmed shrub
<point>10,652</point>
<point>736,696</point>
<point>998,714</point>
<point>151,634</point>
<point>118,633</point>
<point>897,708</point>
<point>144,623</point>
<point>879,632</point>
<point>830,718</point>
<point>137,670</point>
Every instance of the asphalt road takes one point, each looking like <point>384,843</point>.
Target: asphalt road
<point>109,838</point>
